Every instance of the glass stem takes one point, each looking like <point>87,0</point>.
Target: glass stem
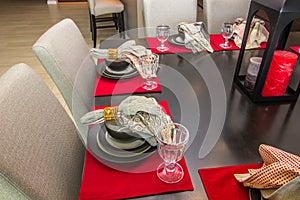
<point>170,167</point>
<point>226,41</point>
<point>148,80</point>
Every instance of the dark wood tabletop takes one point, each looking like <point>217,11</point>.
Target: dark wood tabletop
<point>226,127</point>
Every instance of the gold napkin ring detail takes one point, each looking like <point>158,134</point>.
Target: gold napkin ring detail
<point>112,54</point>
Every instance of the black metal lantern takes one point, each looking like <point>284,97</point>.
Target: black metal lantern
<point>281,14</point>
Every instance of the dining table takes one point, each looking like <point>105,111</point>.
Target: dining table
<point>226,127</point>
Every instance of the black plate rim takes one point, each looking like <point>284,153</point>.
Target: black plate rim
<point>101,155</point>
<point>100,68</point>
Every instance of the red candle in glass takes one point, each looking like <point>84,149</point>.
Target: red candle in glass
<point>279,74</point>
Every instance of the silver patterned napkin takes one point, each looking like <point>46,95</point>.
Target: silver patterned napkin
<point>196,37</point>
<point>128,47</point>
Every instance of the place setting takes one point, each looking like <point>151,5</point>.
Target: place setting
<point>127,131</point>
<point>165,42</point>
<point>134,141</point>
<point>123,70</point>
<point>190,37</point>
<point>232,35</point>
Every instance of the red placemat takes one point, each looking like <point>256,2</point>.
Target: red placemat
<point>220,182</point>
<point>102,182</point>
<point>295,48</point>
<point>153,43</point>
<point>104,86</point>
<point>217,39</point>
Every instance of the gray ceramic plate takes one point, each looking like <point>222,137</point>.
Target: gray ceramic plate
<point>117,155</point>
<point>173,39</point>
<point>101,70</point>
<point>105,146</point>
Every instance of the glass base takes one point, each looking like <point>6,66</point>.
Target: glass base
<point>150,86</point>
<point>162,49</point>
<point>225,46</point>
<point>170,177</point>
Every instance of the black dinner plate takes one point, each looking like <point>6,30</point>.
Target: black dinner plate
<point>102,71</point>
<point>172,40</point>
<point>101,154</point>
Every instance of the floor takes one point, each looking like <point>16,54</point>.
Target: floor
<point>23,22</point>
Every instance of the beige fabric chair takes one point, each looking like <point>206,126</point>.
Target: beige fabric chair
<point>41,155</point>
<point>99,8</point>
<point>64,53</point>
<point>170,12</point>
<point>215,12</point>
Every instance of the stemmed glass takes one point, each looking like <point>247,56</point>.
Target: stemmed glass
<point>172,139</point>
<point>227,32</point>
<point>162,34</point>
<point>149,66</point>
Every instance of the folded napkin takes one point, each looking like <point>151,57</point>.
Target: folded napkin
<point>219,183</point>
<point>102,182</point>
<point>135,61</point>
<point>257,33</point>
<point>278,169</point>
<point>128,47</point>
<point>128,51</point>
<point>139,114</point>
<point>196,37</point>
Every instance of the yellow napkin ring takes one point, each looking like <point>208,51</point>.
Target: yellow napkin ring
<point>110,113</point>
<point>112,54</point>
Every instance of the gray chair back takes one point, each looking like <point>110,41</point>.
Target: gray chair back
<point>216,12</point>
<point>41,152</point>
<point>170,12</point>
<point>63,52</point>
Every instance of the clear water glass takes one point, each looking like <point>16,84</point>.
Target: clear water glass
<point>162,34</point>
<point>149,66</point>
<point>172,139</point>
<point>227,32</point>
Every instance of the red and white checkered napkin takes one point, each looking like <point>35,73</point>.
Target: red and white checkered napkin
<point>279,168</point>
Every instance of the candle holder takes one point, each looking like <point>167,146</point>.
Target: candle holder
<point>281,14</point>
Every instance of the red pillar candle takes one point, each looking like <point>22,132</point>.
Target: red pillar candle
<point>279,74</point>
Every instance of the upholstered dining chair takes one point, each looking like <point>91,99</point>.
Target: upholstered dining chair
<point>170,12</point>
<point>63,52</point>
<point>99,11</point>
<point>215,12</point>
<point>41,155</point>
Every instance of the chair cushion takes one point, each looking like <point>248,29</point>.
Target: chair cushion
<point>107,6</point>
<point>40,149</point>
